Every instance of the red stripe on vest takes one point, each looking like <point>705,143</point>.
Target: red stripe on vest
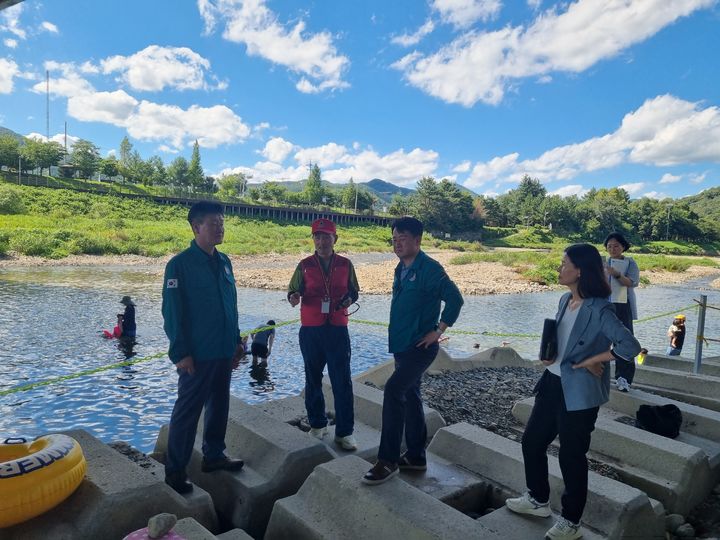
<point>314,292</point>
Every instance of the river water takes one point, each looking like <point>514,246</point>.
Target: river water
<point>51,321</point>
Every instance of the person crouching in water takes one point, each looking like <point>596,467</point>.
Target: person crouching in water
<point>572,388</point>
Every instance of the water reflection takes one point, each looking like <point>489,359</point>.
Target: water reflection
<point>51,320</point>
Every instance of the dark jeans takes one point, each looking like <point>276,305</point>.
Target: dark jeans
<point>328,345</point>
<point>403,407</point>
<point>622,368</point>
<point>208,387</point>
<point>548,419</point>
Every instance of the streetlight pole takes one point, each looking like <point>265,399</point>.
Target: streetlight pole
<point>19,167</point>
<point>667,229</point>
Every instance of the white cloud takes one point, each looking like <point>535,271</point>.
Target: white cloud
<point>570,190</point>
<point>534,4</point>
<point>324,156</point>
<point>407,40</point>
<point>312,55</point>
<point>338,165</point>
<point>277,149</point>
<point>656,195</point>
<point>663,131</point>
<point>65,80</point>
<point>109,107</point>
<point>479,66</point>
<point>58,138</point>
<point>462,167</point>
<point>10,43</point>
<point>49,27</point>
<point>633,188</point>
<point>670,178</point>
<point>156,68</point>
<point>10,21</point>
<point>697,178</point>
<point>8,71</point>
<point>465,13</point>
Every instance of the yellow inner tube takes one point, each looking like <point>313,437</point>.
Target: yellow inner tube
<point>37,476</point>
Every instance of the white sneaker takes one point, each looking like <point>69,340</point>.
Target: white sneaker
<point>564,529</point>
<point>622,384</point>
<point>318,433</point>
<point>347,442</point>
<point>525,504</point>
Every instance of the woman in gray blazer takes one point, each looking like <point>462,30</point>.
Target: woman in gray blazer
<point>572,388</point>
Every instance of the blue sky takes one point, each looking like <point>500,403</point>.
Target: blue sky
<point>591,93</point>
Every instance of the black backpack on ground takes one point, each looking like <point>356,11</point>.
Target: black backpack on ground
<point>663,420</point>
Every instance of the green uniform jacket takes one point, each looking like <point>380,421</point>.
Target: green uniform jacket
<point>416,302</point>
<point>200,306</point>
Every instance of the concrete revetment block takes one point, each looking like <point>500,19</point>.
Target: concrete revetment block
<point>190,529</point>
<point>613,509</point>
<point>673,472</point>
<point>116,497</point>
<point>278,458</point>
<point>334,504</point>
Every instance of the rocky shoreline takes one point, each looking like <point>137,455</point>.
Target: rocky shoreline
<point>374,270</point>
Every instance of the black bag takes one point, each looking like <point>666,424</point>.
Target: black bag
<point>663,420</point>
<point>548,343</point>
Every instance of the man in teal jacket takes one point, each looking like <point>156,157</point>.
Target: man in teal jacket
<point>416,324</point>
<point>201,321</point>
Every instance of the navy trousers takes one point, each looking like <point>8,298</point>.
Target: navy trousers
<point>548,419</point>
<point>623,368</point>
<point>403,407</point>
<point>208,387</point>
<point>328,345</point>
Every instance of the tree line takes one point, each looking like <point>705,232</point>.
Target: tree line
<point>442,205</point>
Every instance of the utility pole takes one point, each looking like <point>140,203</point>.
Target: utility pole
<point>356,195</point>
<point>19,167</point>
<point>47,104</point>
<point>667,229</point>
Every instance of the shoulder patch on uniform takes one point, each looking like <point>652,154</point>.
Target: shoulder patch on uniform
<point>172,283</point>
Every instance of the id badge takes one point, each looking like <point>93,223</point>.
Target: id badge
<point>325,306</point>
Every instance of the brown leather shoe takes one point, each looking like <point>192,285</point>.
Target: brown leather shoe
<point>222,464</point>
<point>178,481</point>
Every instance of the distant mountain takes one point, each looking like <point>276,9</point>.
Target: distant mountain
<point>706,203</point>
<point>6,131</point>
<point>380,188</point>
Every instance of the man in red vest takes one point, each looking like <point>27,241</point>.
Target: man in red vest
<point>326,284</point>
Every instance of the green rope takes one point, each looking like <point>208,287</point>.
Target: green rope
<point>686,308</point>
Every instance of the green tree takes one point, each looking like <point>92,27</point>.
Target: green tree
<point>603,211</point>
<point>178,173</point>
<point>156,168</point>
<point>232,186</point>
<point>196,176</point>
<point>521,206</point>
<point>313,190</point>
<point>9,151</point>
<point>272,191</point>
<point>400,205</point>
<point>109,167</point>
<point>348,195</point>
<point>85,157</point>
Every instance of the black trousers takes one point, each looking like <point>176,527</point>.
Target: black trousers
<point>622,368</point>
<point>550,418</point>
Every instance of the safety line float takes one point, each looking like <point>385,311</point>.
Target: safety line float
<point>37,476</point>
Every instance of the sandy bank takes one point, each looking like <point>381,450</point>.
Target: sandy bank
<point>374,270</point>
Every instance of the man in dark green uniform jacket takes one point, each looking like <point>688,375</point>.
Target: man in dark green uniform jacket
<point>201,320</point>
<point>416,324</point>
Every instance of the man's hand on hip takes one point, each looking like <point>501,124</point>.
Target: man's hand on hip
<point>430,338</point>
<point>294,299</point>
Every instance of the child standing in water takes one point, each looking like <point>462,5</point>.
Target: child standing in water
<point>676,333</point>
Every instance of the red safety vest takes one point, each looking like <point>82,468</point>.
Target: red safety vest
<point>319,286</point>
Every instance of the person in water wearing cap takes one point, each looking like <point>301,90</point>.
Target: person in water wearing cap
<point>128,327</point>
<point>676,333</point>
<point>326,284</point>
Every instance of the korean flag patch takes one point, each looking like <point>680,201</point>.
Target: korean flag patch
<point>172,283</point>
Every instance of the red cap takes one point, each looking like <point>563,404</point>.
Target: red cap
<point>323,225</point>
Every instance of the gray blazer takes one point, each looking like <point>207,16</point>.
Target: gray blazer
<point>595,330</point>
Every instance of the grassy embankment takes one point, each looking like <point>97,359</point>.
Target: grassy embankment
<point>56,223</point>
<point>541,266</point>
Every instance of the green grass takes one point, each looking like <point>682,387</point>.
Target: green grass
<point>541,267</point>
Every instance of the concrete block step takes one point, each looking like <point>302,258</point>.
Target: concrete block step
<point>116,497</point>
<point>670,379</point>
<point>710,403</point>
<point>190,529</point>
<point>278,456</point>
<point>333,504</point>
<point>614,509</point>
<point>707,367</point>
<point>519,527</point>
<point>673,472</point>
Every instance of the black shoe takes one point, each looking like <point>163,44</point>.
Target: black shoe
<point>407,463</point>
<point>381,472</point>
<point>222,464</point>
<point>178,481</point>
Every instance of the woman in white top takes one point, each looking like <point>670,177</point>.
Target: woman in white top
<point>623,275</point>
